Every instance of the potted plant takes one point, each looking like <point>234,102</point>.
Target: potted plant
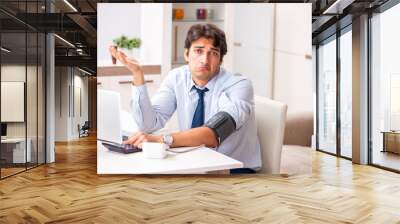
<point>130,46</point>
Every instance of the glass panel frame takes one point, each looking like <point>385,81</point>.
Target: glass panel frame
<point>14,72</point>
<point>27,57</point>
<point>345,55</point>
<point>334,138</point>
<point>326,60</point>
<point>384,150</point>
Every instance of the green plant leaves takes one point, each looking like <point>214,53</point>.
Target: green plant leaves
<point>127,43</point>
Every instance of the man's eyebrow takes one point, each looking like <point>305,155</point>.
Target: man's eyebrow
<point>213,48</point>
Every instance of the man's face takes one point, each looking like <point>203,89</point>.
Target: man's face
<point>204,59</point>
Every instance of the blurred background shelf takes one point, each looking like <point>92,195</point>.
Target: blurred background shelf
<point>199,21</point>
<point>122,70</point>
<point>181,26</point>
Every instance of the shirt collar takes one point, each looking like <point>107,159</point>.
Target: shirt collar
<point>210,84</point>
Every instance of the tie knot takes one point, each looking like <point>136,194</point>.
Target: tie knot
<point>201,91</point>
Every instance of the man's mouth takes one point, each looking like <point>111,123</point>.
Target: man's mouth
<point>203,68</point>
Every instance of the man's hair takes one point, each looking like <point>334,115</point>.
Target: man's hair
<point>208,31</point>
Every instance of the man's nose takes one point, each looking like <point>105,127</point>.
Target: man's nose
<point>204,58</point>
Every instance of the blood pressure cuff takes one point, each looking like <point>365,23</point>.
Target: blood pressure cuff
<point>222,125</point>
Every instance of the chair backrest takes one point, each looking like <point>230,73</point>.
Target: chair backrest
<point>270,117</point>
<point>86,125</point>
<point>303,121</point>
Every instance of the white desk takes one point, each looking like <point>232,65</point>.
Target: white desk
<point>19,149</point>
<point>193,162</point>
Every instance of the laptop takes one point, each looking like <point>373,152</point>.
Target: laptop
<point>109,122</point>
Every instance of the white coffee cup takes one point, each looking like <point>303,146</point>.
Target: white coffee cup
<point>154,150</point>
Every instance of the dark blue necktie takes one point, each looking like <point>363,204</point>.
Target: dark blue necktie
<point>198,118</point>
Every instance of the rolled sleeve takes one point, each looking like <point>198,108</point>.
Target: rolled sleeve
<point>238,101</point>
<point>152,115</point>
<point>140,104</point>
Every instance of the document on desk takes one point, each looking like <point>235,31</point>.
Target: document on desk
<point>184,149</point>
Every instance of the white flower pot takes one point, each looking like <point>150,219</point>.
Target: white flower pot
<point>132,53</point>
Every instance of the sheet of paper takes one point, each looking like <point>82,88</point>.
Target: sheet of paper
<point>184,149</point>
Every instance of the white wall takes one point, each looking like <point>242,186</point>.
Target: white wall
<point>314,74</point>
<point>166,56</point>
<point>271,44</point>
<point>12,101</point>
<point>293,79</point>
<point>114,20</point>
<point>17,73</point>
<point>14,73</point>
<point>85,98</point>
<point>151,33</point>
<point>33,126</point>
<point>62,81</point>
<point>80,102</point>
<point>251,44</point>
<point>68,81</point>
<point>133,20</point>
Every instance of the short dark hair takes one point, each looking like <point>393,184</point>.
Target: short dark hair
<point>208,31</point>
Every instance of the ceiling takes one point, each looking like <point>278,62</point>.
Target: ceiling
<point>328,16</point>
<point>76,25</point>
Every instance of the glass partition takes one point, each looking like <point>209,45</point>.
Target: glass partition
<point>327,96</point>
<point>22,77</point>
<point>385,89</point>
<point>33,64</point>
<point>13,104</point>
<point>346,94</point>
<point>31,99</point>
<point>41,111</point>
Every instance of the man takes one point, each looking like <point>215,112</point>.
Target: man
<point>214,107</point>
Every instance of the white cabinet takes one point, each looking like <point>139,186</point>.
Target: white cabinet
<point>16,147</point>
<point>253,42</point>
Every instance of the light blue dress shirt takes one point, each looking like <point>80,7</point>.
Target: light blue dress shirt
<point>227,92</point>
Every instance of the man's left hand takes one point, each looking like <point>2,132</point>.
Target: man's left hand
<point>137,139</point>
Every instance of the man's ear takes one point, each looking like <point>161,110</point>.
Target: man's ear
<point>186,55</point>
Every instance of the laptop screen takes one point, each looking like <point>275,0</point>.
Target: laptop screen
<point>108,116</point>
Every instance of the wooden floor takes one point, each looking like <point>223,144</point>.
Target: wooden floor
<point>70,191</point>
<point>387,159</point>
<point>10,171</point>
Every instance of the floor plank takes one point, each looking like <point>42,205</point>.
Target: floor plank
<point>70,191</point>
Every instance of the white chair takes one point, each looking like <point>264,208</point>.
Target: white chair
<point>270,117</point>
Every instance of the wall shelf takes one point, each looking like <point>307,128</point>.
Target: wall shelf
<point>180,27</point>
<point>122,70</point>
<point>199,21</point>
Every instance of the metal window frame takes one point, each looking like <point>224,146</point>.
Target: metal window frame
<point>381,9</point>
<point>387,5</point>
<point>334,37</point>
